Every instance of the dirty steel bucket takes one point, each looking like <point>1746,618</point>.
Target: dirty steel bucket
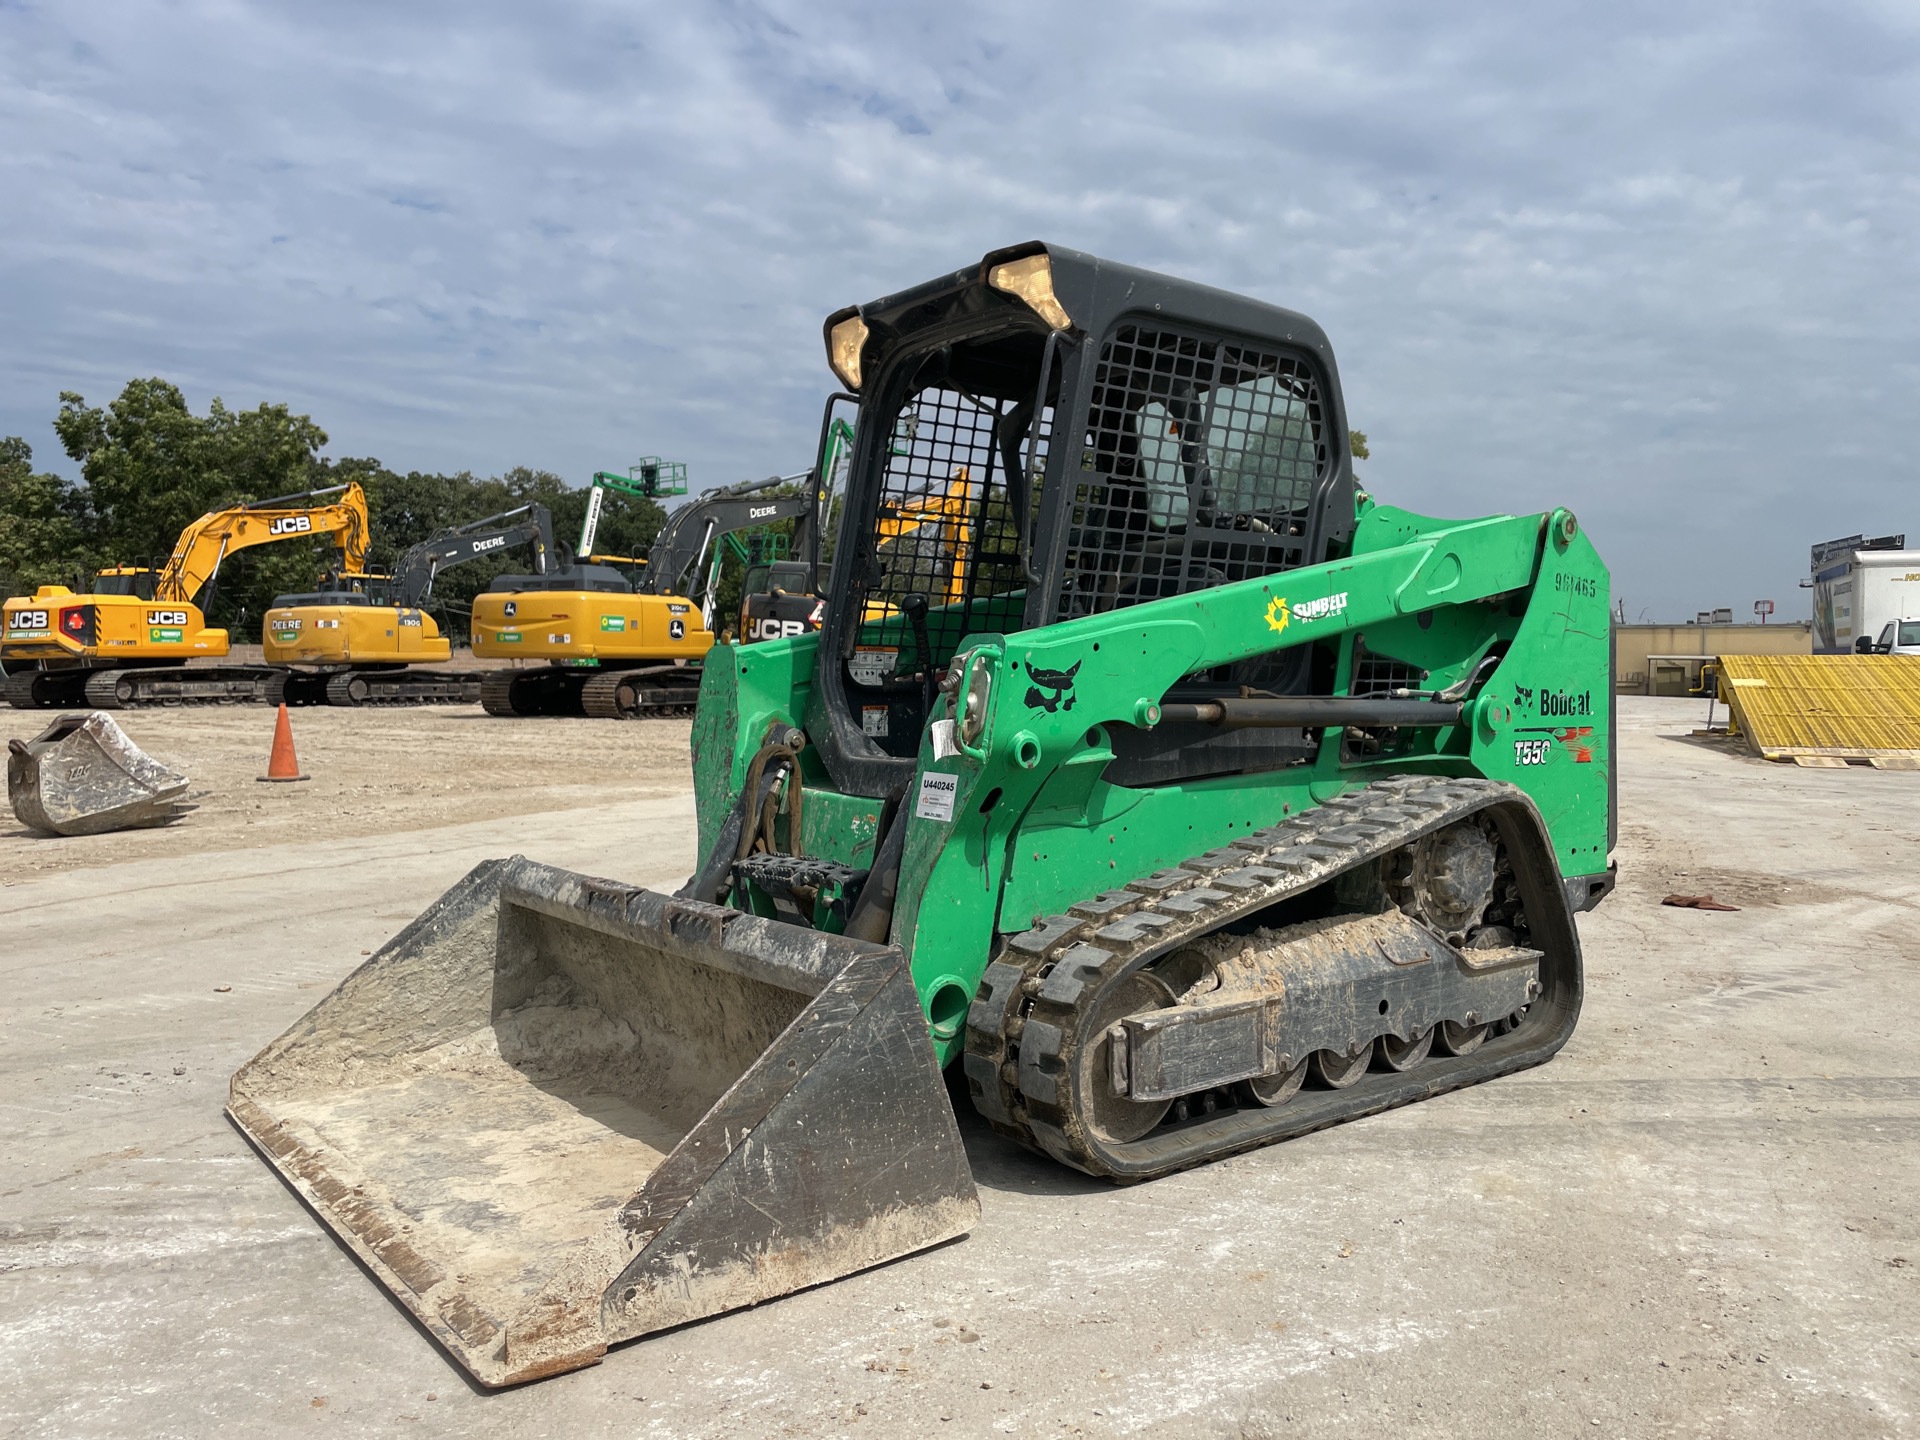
<point>83,776</point>
<point>557,1112</point>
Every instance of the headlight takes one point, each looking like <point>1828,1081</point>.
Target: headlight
<point>1031,278</point>
<point>844,344</point>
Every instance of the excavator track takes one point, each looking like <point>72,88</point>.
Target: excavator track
<point>656,692</point>
<point>1052,1007</point>
<point>294,687</point>
<point>496,693</point>
<point>196,685</point>
<point>405,687</point>
<point>647,693</point>
<point>21,689</point>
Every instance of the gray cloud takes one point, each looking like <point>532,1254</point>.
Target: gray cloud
<point>1652,262</point>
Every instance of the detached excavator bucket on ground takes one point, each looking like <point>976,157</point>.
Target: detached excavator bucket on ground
<point>555,1113</point>
<point>83,776</point>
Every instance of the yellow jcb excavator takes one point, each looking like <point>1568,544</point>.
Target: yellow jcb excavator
<point>128,641</point>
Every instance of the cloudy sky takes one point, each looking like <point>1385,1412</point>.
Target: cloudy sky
<point>1658,262</point>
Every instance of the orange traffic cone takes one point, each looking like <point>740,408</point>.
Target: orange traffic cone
<point>281,765</point>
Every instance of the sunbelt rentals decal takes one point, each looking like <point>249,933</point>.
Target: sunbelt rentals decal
<point>1281,614</point>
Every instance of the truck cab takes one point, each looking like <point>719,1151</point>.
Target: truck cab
<point>1897,637</point>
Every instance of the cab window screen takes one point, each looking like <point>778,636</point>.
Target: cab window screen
<point>945,526</point>
<point>1199,466</point>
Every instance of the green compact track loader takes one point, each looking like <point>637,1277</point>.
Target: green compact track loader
<point>1143,768</point>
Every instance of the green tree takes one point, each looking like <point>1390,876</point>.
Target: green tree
<point>152,467</point>
<point>46,523</point>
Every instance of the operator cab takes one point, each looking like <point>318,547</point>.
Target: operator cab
<point>136,581</point>
<point>1897,637</point>
<point>1052,436</point>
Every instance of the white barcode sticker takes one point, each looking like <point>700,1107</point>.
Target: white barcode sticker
<point>937,793</point>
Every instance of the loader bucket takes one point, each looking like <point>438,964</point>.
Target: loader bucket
<point>555,1113</point>
<point>83,776</point>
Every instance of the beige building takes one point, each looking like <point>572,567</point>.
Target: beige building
<point>1666,659</point>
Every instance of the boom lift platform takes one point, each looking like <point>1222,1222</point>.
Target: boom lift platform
<point>356,644</point>
<point>1183,799</point>
<point>127,642</point>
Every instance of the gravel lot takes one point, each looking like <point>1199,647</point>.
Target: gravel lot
<point>1700,1220</point>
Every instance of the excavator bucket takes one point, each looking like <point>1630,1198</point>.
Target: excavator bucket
<point>83,776</point>
<point>555,1113</point>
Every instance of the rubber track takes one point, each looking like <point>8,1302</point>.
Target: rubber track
<point>1023,1027</point>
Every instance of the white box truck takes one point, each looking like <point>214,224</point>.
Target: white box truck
<point>1862,595</point>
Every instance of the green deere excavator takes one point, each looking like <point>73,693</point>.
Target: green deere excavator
<point>1172,791</point>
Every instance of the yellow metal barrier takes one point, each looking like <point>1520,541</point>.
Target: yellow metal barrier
<point>1826,710</point>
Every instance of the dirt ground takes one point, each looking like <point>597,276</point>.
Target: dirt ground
<point>1701,1219</point>
<point>371,773</point>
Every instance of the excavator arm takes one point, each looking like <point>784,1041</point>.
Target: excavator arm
<point>689,534</point>
<point>415,573</point>
<point>208,541</point>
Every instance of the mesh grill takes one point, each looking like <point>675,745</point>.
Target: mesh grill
<point>945,528</point>
<point>1200,466</point>
<point>1378,675</point>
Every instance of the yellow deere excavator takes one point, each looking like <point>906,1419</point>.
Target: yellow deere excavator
<point>358,641</point>
<point>609,649</point>
<point>128,641</point>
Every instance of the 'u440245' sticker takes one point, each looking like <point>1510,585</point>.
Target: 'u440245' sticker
<point>937,793</point>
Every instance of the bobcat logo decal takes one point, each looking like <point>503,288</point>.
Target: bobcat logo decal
<point>1059,682</point>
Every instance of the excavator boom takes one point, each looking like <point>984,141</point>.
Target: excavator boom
<point>208,541</point>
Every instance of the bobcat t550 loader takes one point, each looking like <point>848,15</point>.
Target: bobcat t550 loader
<point>1212,803</point>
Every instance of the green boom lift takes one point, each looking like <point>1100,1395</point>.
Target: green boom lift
<point>650,478</point>
<point>1174,790</point>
